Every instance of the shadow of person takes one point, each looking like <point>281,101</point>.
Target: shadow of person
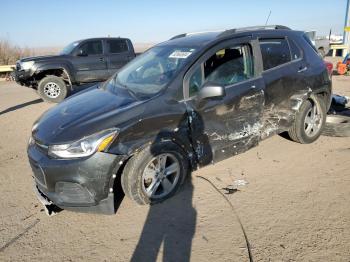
<point>172,223</point>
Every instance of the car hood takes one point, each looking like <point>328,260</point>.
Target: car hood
<point>85,114</point>
<point>42,58</point>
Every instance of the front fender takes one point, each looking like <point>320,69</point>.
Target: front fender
<point>66,67</point>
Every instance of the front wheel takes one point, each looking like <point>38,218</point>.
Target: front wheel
<point>154,174</point>
<point>309,121</point>
<point>52,89</point>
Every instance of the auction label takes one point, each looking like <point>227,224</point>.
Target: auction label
<point>180,54</point>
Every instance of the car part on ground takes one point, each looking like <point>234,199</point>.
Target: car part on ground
<point>337,125</point>
<point>84,61</point>
<point>177,107</point>
<point>338,118</point>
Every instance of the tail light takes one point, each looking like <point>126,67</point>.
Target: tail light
<point>329,67</point>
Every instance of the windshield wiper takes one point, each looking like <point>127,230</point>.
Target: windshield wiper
<point>131,92</point>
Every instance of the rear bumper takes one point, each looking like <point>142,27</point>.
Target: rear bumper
<point>82,185</point>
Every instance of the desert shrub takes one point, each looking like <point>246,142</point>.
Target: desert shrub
<point>9,53</point>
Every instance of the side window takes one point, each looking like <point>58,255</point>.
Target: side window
<point>226,67</point>
<point>295,50</point>
<point>92,47</point>
<point>117,46</point>
<point>274,52</point>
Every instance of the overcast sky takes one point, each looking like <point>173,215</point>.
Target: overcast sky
<point>39,23</point>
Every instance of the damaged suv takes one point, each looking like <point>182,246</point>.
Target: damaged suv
<point>193,100</point>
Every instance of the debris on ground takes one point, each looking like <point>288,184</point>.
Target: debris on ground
<point>338,118</point>
<point>240,182</point>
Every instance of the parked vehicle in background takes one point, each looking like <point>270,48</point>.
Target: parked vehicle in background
<point>83,61</point>
<point>322,45</point>
<point>188,102</point>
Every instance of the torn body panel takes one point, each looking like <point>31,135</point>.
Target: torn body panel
<point>224,127</point>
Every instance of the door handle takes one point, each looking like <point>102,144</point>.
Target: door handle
<point>102,59</point>
<point>302,69</point>
<point>253,87</point>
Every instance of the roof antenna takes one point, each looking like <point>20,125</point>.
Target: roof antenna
<point>268,17</point>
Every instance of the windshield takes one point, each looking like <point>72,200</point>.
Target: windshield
<point>149,73</point>
<point>69,48</point>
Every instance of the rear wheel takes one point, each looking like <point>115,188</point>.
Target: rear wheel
<point>52,89</point>
<point>154,174</point>
<point>309,121</point>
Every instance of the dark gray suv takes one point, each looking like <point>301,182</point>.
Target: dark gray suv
<point>185,103</point>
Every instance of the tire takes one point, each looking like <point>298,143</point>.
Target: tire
<point>337,125</point>
<point>137,178</point>
<point>52,89</point>
<point>302,132</point>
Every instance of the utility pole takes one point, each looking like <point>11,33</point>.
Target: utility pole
<point>346,40</point>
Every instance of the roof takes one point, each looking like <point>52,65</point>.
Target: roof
<point>199,39</point>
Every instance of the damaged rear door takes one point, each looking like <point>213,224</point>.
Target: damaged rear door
<point>229,124</point>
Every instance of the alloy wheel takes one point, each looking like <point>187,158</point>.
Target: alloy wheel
<point>313,120</point>
<point>52,90</point>
<point>161,176</point>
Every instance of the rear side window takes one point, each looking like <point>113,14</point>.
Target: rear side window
<point>274,52</point>
<point>295,50</point>
<point>92,47</point>
<point>117,46</point>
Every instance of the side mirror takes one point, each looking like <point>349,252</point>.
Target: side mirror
<point>81,53</point>
<point>211,91</point>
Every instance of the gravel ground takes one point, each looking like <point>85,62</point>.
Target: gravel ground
<point>295,206</point>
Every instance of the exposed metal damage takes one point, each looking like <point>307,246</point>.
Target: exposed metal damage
<point>248,130</point>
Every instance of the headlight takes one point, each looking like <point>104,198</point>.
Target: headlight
<point>85,146</point>
<point>27,65</point>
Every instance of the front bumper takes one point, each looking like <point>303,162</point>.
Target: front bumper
<point>82,185</point>
<point>23,77</point>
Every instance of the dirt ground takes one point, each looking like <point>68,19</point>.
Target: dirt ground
<point>295,206</point>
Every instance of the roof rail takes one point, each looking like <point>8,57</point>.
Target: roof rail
<point>236,30</point>
<point>253,28</point>
<point>195,33</point>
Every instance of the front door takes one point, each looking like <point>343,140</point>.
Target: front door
<point>222,127</point>
<point>89,62</point>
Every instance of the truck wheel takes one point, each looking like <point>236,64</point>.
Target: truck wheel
<point>154,174</point>
<point>309,121</point>
<point>52,89</point>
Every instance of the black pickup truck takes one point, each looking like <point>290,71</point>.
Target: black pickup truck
<point>83,61</point>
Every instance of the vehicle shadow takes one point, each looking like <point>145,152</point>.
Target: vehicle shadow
<point>172,222</point>
<point>16,107</point>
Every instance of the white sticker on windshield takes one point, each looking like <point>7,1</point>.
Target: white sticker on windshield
<point>180,54</point>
